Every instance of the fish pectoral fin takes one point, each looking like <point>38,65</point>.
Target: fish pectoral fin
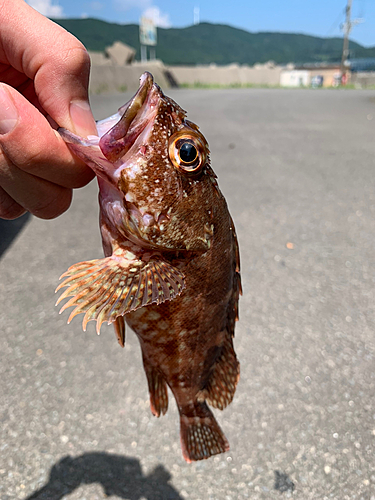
<point>105,289</point>
<point>201,435</point>
<point>223,380</point>
<point>158,390</point>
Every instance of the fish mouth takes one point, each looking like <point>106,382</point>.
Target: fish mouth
<point>135,116</point>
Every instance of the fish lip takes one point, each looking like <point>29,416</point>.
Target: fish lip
<point>117,141</point>
<point>130,110</point>
<point>146,81</point>
<point>106,124</point>
<point>110,128</point>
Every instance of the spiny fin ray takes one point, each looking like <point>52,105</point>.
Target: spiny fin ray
<point>119,325</point>
<point>106,289</point>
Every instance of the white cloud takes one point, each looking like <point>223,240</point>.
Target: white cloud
<point>161,20</point>
<point>148,10</point>
<point>47,8</point>
<point>96,5</point>
<point>131,4</point>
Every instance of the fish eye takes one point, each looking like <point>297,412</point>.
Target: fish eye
<point>187,152</point>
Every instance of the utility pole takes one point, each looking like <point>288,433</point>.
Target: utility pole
<point>347,27</point>
<point>196,15</point>
<point>345,48</point>
<point>144,53</point>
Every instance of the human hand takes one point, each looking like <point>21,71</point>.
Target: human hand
<point>45,72</point>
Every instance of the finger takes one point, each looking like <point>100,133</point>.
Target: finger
<point>29,142</point>
<point>9,209</point>
<point>39,197</point>
<point>54,59</point>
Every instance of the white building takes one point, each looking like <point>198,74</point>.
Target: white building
<point>295,78</point>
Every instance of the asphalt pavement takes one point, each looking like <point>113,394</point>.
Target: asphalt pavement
<point>297,170</point>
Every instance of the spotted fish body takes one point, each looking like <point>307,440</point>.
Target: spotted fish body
<point>172,262</point>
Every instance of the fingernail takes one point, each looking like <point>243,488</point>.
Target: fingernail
<point>8,112</point>
<point>82,119</point>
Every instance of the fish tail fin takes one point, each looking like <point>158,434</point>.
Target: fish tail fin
<point>201,435</point>
<point>222,383</point>
<point>105,289</point>
<point>158,390</point>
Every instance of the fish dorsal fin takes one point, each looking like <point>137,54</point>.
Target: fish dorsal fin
<point>105,289</point>
<point>223,380</point>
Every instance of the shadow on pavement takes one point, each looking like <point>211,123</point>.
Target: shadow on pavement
<point>283,482</point>
<point>9,229</point>
<point>118,475</point>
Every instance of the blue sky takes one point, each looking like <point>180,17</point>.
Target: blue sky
<point>315,17</point>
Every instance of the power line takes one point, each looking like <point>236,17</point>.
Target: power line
<point>361,9</point>
<point>336,23</point>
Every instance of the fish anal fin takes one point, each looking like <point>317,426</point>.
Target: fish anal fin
<point>158,391</point>
<point>201,435</point>
<point>221,385</point>
<point>119,325</point>
<point>105,289</point>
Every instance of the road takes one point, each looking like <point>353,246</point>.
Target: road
<point>297,169</point>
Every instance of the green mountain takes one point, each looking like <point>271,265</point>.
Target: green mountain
<point>207,43</point>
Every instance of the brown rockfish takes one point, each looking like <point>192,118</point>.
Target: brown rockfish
<point>172,262</point>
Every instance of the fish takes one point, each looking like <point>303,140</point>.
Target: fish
<point>171,269</point>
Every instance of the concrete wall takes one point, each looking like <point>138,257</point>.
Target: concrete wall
<point>115,71</point>
<point>107,77</point>
<point>110,78</point>
<point>233,74</point>
<point>100,59</point>
<point>363,79</point>
<point>120,53</point>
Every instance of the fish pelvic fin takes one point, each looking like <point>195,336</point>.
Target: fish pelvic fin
<point>201,435</point>
<point>119,325</point>
<point>158,391</point>
<point>105,289</point>
<point>222,383</point>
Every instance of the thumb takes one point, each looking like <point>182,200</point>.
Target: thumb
<point>55,60</point>
<point>61,85</point>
